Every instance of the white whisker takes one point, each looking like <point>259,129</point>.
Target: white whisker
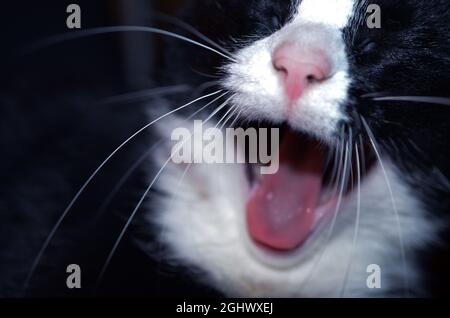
<point>140,160</point>
<point>141,201</point>
<point>236,119</point>
<point>114,29</point>
<point>335,215</point>
<point>224,116</point>
<point>203,87</point>
<point>415,99</point>
<point>130,219</point>
<point>124,179</point>
<point>191,29</point>
<point>144,94</point>
<point>235,110</point>
<point>362,155</point>
<point>93,175</point>
<point>391,193</point>
<point>357,221</point>
<point>222,106</point>
<point>338,172</point>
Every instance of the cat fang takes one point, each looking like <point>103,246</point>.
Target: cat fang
<point>232,146</point>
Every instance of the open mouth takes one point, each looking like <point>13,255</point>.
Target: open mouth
<point>284,209</point>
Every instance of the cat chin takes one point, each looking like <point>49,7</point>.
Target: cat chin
<point>202,222</point>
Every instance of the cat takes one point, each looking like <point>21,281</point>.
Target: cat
<point>359,93</point>
<point>320,72</point>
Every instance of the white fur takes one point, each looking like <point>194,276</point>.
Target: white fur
<point>203,224</point>
<point>335,13</point>
<point>259,93</point>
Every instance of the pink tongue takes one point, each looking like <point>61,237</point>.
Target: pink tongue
<point>281,211</point>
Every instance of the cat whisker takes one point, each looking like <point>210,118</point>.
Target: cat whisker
<point>141,160</point>
<point>263,25</point>
<point>328,160</point>
<point>174,196</point>
<point>337,173</point>
<point>350,176</point>
<point>128,223</point>
<point>362,155</point>
<point>329,234</point>
<point>218,109</point>
<point>179,183</point>
<point>123,180</point>
<point>235,110</point>
<point>180,23</point>
<point>357,221</point>
<point>130,171</point>
<point>141,201</point>
<point>144,94</point>
<point>343,187</point>
<point>376,94</point>
<point>183,176</point>
<point>53,40</point>
<point>204,74</point>
<point>224,117</point>
<point>203,87</point>
<point>415,99</point>
<point>371,137</point>
<point>238,116</point>
<point>93,175</point>
<point>204,107</point>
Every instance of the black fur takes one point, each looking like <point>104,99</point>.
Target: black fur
<point>408,56</point>
<point>51,145</point>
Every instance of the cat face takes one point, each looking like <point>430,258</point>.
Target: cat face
<point>300,73</point>
<point>337,58</point>
<point>319,68</point>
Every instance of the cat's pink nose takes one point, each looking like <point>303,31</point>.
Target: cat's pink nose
<point>299,68</point>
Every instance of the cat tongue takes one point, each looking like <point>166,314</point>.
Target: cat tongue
<point>281,212</point>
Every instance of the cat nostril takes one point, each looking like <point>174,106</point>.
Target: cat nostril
<point>281,69</point>
<point>312,78</point>
<point>299,68</point>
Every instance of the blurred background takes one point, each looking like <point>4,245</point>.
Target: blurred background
<point>53,135</point>
<point>119,60</point>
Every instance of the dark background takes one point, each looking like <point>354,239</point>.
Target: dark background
<point>123,59</point>
<point>52,137</point>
